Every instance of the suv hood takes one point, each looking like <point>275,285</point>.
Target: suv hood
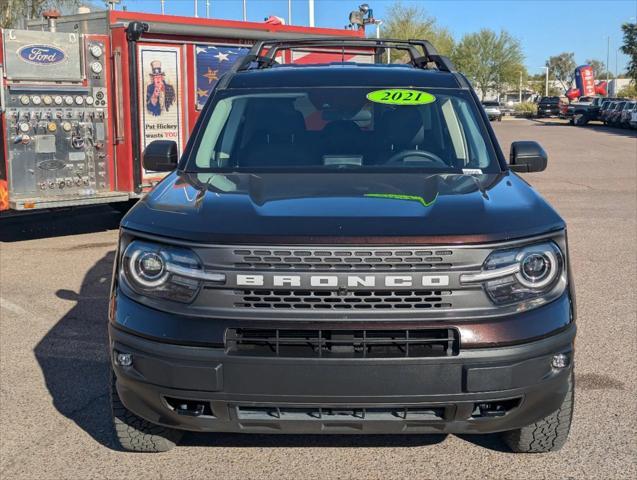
<point>319,207</point>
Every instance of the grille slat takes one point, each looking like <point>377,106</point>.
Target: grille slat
<point>340,413</point>
<point>333,299</point>
<point>439,342</point>
<point>347,260</point>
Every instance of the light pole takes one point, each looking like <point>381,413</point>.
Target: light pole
<point>608,60</point>
<point>163,7</point>
<point>196,9</point>
<point>289,12</point>
<point>616,67</point>
<point>520,88</point>
<point>310,6</point>
<point>378,23</point>
<point>245,11</point>
<point>207,8</point>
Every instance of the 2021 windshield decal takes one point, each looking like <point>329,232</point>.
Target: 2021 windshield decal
<point>401,96</point>
<point>396,196</point>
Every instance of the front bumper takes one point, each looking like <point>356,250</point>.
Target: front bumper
<point>337,395</point>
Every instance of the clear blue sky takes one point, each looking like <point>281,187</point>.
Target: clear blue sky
<point>544,27</point>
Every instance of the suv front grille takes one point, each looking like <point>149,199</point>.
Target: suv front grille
<point>432,342</point>
<point>335,300</point>
<point>280,281</point>
<point>403,259</point>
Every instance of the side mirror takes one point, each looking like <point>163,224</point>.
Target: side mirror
<point>160,156</point>
<point>527,157</point>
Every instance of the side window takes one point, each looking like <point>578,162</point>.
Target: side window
<point>456,133</point>
<point>206,152</point>
<point>478,153</point>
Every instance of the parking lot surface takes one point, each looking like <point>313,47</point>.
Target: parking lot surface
<point>54,410</point>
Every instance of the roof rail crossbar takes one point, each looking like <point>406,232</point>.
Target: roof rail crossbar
<point>443,63</point>
<point>418,60</point>
<point>427,48</point>
<point>413,53</point>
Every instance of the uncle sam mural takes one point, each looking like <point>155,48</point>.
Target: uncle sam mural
<point>160,97</point>
<point>160,94</point>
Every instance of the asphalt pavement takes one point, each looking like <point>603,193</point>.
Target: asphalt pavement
<point>55,271</point>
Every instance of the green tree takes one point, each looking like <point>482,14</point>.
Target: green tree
<point>12,12</point>
<point>630,48</point>
<point>490,60</point>
<point>537,83</point>
<point>599,68</point>
<point>408,22</point>
<point>562,67</point>
<point>629,91</point>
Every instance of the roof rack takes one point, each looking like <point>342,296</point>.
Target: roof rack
<point>421,52</point>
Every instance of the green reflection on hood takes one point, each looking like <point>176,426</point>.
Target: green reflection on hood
<point>396,196</point>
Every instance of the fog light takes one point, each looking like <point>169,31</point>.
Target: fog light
<point>124,359</point>
<point>560,361</point>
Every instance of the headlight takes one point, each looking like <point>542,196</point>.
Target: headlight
<point>161,271</point>
<point>538,269</point>
<point>533,273</point>
<point>148,268</point>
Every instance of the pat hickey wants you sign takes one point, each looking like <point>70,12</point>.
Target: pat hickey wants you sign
<point>160,100</point>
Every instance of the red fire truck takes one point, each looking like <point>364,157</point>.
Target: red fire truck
<point>81,96</point>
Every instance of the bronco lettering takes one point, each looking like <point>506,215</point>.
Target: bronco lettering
<point>348,281</point>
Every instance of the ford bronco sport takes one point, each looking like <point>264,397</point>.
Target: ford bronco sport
<point>343,249</point>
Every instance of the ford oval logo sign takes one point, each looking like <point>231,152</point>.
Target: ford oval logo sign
<point>42,54</point>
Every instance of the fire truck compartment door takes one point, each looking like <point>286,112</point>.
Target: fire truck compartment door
<point>35,55</point>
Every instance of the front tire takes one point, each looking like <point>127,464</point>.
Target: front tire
<point>135,434</point>
<point>548,434</point>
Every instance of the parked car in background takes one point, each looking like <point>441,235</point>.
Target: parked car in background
<point>493,110</point>
<point>506,109</point>
<point>582,102</point>
<point>615,115</point>
<point>582,113</point>
<point>607,111</point>
<point>625,115</point>
<point>605,104</point>
<point>633,117</point>
<point>548,107</point>
<point>563,110</point>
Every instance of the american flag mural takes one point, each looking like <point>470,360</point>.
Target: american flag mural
<point>213,61</point>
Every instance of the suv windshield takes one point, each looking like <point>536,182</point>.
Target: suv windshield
<point>341,129</point>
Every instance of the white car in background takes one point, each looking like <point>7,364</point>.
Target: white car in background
<point>493,110</point>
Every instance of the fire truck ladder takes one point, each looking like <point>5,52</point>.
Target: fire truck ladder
<point>426,58</point>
